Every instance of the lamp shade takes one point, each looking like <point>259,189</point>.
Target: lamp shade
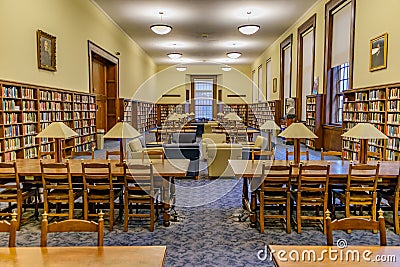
<point>174,117</point>
<point>122,130</point>
<point>364,131</point>
<point>233,117</point>
<point>220,114</point>
<point>297,130</point>
<point>57,130</point>
<point>191,114</point>
<point>270,125</point>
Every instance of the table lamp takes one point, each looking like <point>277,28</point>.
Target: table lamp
<point>297,131</point>
<point>122,130</point>
<point>57,130</point>
<point>364,131</point>
<point>270,126</point>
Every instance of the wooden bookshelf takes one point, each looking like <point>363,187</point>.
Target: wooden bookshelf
<point>164,110</point>
<point>380,106</point>
<point>240,109</point>
<point>314,120</point>
<point>259,113</point>
<point>28,109</point>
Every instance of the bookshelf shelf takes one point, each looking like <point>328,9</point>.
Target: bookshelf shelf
<point>314,120</point>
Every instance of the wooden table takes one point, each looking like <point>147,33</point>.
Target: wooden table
<point>251,171</point>
<point>285,256</point>
<point>82,256</point>
<point>249,132</point>
<point>158,132</point>
<point>29,172</point>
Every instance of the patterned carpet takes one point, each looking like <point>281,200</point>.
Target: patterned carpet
<point>207,231</point>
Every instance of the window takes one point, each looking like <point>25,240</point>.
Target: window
<point>285,70</point>
<point>341,81</point>
<point>268,79</point>
<point>254,86</point>
<point>203,98</point>
<point>260,85</point>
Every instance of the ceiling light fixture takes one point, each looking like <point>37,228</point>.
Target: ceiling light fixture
<point>174,55</point>
<point>161,28</point>
<point>248,29</point>
<point>180,68</point>
<point>226,68</point>
<point>233,54</point>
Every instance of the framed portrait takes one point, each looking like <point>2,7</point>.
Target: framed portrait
<point>46,51</point>
<point>274,85</point>
<point>378,52</point>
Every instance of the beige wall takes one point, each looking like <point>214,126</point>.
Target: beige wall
<point>170,81</point>
<point>73,22</point>
<point>373,18</point>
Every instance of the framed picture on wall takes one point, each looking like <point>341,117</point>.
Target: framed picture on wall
<point>274,85</point>
<point>46,51</point>
<point>378,52</point>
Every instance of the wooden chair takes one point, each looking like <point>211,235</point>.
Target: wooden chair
<point>85,153</point>
<point>302,153</point>
<point>393,197</point>
<point>153,152</point>
<point>98,188</point>
<point>11,228</point>
<point>57,188</point>
<point>312,190</point>
<point>362,181</point>
<point>331,153</point>
<point>139,191</point>
<point>12,192</point>
<point>371,155</point>
<point>112,153</point>
<point>275,190</point>
<point>355,224</point>
<point>262,154</point>
<point>72,225</point>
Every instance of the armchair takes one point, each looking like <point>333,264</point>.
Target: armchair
<point>211,138</point>
<point>218,156</point>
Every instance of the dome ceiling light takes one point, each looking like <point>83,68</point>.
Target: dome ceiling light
<point>226,68</point>
<point>249,29</point>
<point>180,68</point>
<point>161,28</point>
<point>174,55</point>
<point>233,54</point>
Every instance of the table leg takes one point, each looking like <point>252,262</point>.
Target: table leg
<point>253,209</point>
<point>245,194</point>
<point>168,197</point>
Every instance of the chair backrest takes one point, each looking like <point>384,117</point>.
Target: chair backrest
<point>355,224</point>
<point>331,153</point>
<point>362,177</point>
<point>263,153</point>
<point>72,225</point>
<point>83,153</point>
<point>302,153</point>
<point>46,154</point>
<point>9,178</point>
<point>97,176</point>
<point>11,228</point>
<point>139,178</point>
<point>398,182</point>
<point>313,178</point>
<point>152,152</point>
<point>374,155</point>
<point>276,178</point>
<point>112,153</point>
<point>214,138</point>
<point>56,176</point>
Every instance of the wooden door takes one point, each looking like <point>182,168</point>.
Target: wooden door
<point>99,88</point>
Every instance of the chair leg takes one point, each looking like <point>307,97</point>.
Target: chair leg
<point>288,228</point>
<point>396,215</point>
<point>126,213</point>
<point>298,213</point>
<point>152,215</point>
<point>111,214</point>
<point>85,206</point>
<point>261,212</point>
<point>19,215</point>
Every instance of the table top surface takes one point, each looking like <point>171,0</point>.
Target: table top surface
<point>168,167</point>
<point>138,256</point>
<point>338,168</point>
<point>285,256</point>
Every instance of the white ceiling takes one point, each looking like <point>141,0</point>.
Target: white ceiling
<point>204,30</point>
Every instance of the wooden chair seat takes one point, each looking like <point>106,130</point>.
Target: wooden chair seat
<point>10,194</point>
<point>72,225</point>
